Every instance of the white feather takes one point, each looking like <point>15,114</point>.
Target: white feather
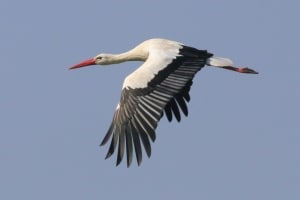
<point>160,54</point>
<point>219,62</point>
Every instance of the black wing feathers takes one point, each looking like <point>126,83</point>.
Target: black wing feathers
<point>139,110</point>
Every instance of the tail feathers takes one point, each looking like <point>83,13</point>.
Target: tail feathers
<point>226,63</point>
<point>219,62</point>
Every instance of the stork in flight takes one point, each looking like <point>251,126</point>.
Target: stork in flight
<point>160,85</point>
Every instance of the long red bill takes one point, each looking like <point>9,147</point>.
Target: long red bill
<point>85,63</point>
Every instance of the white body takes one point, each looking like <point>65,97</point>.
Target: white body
<point>159,53</point>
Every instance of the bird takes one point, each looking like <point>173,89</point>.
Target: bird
<point>160,86</point>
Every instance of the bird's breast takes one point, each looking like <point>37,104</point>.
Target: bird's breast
<point>154,65</point>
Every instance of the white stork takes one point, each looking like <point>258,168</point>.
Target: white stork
<point>161,84</point>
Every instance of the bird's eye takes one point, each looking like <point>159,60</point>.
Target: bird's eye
<point>100,57</point>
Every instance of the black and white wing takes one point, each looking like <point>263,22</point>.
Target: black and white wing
<point>140,108</point>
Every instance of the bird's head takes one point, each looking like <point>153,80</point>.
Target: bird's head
<point>100,59</point>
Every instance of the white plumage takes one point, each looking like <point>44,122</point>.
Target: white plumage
<point>160,85</point>
<point>160,53</point>
<point>219,62</point>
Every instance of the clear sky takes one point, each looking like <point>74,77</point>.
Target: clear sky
<point>241,140</point>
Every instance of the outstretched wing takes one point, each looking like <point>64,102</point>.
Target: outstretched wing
<point>140,109</point>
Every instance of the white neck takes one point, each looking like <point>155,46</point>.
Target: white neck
<point>135,54</point>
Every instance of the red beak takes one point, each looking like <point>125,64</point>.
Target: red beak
<point>84,63</point>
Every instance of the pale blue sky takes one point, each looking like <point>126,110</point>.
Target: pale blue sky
<point>240,141</point>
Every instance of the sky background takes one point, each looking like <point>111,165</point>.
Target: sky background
<point>240,141</point>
